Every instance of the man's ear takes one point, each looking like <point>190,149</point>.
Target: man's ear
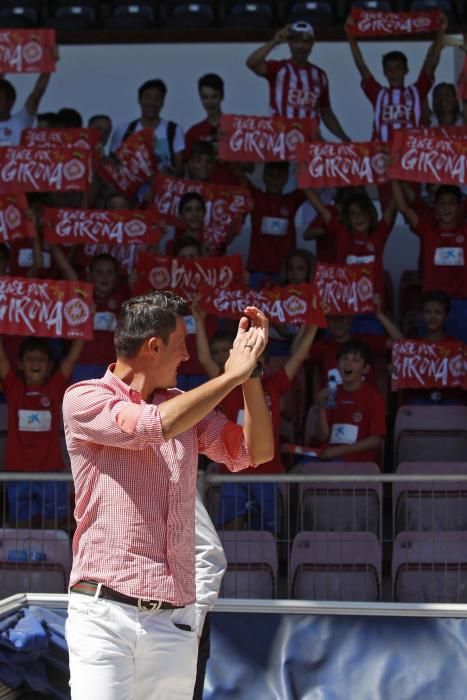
<point>153,345</point>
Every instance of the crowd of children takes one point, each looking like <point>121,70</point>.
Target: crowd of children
<point>345,366</point>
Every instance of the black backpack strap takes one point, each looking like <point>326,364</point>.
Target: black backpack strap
<point>171,129</point>
<point>131,128</point>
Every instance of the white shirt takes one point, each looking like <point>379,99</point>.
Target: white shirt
<point>162,150</point>
<point>10,129</point>
<point>210,564</point>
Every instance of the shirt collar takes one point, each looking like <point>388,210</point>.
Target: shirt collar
<point>125,389</point>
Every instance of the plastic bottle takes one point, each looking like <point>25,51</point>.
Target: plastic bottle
<point>332,391</point>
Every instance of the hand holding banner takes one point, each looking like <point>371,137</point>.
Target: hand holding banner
<point>418,364</point>
<point>266,139</point>
<point>27,51</point>
<point>345,290</point>
<point>44,169</point>
<point>46,308</point>
<point>15,221</point>
<point>428,159</point>
<point>75,226</point>
<point>295,304</point>
<point>322,164</point>
<point>376,23</point>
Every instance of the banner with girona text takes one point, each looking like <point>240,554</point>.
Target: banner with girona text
<point>44,169</point>
<point>14,219</point>
<point>417,364</point>
<point>132,165</point>
<point>46,308</point>
<point>379,23</point>
<point>295,304</point>
<point>74,226</point>
<point>345,290</point>
<point>322,164</point>
<point>85,139</point>
<point>268,139</point>
<point>428,158</point>
<point>186,276</point>
<point>27,50</point>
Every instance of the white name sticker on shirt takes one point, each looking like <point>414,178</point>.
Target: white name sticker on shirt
<point>26,258</point>
<point>241,417</point>
<point>190,325</point>
<point>34,421</point>
<point>105,321</point>
<point>343,434</point>
<point>359,259</point>
<point>272,226</point>
<point>334,376</point>
<point>449,256</point>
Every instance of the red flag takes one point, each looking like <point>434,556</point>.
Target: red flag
<point>44,169</point>
<point>377,23</point>
<point>419,158</point>
<point>187,276</point>
<point>45,308</point>
<point>345,290</point>
<point>322,164</point>
<point>14,221</point>
<point>417,364</point>
<point>71,226</point>
<point>133,165</point>
<point>27,50</point>
<point>245,138</point>
<point>295,304</point>
<point>86,139</point>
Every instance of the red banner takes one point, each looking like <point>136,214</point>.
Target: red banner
<point>133,164</point>
<point>417,364</point>
<point>341,164</point>
<point>85,139</point>
<point>72,226</point>
<point>187,276</point>
<point>44,169</point>
<point>435,159</point>
<point>46,308</point>
<point>27,50</point>
<point>268,139</point>
<point>345,290</point>
<point>296,305</point>
<point>14,220</point>
<point>376,23</point>
<point>225,205</point>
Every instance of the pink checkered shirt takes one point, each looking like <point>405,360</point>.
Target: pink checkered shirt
<point>135,491</point>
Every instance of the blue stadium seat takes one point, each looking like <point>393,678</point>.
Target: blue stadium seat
<point>445,5</point>
<point>128,15</point>
<point>190,15</point>
<point>20,13</point>
<point>73,16</point>
<point>250,14</point>
<point>319,13</point>
<point>380,5</point>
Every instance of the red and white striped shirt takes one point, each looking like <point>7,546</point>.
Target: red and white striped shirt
<point>396,108</point>
<point>135,491</point>
<point>298,92</point>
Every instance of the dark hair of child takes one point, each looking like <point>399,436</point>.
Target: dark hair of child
<point>449,189</point>
<point>202,148</point>
<point>152,85</point>
<point>433,295</point>
<point>184,242</point>
<point>365,204</point>
<point>283,166</point>
<point>31,344</point>
<point>308,258</point>
<point>222,336</point>
<point>355,347</point>
<point>213,81</point>
<point>69,118</point>
<point>395,56</point>
<point>101,257</point>
<point>188,197</point>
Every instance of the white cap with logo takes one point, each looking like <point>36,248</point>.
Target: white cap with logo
<point>302,27</point>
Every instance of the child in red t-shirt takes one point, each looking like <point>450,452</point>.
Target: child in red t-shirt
<point>34,397</point>
<point>352,429</point>
<point>254,503</point>
<point>443,240</point>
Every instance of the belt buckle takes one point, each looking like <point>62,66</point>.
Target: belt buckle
<point>149,605</point>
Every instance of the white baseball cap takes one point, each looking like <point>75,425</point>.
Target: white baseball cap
<point>302,27</point>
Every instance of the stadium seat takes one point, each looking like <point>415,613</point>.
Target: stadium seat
<point>20,13</point>
<point>340,506</point>
<point>189,15</point>
<point>250,14</point>
<point>343,566</point>
<point>73,16</point>
<point>443,5</point>
<point>34,561</point>
<point>430,505</point>
<point>379,5</point>
<point>319,13</point>
<point>430,434</point>
<point>128,15</point>
<point>430,567</point>
<point>252,564</point>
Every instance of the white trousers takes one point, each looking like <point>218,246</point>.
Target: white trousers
<point>118,652</point>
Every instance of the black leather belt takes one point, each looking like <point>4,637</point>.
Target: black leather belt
<point>145,605</point>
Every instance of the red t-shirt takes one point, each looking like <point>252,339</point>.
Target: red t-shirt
<point>273,233</point>
<point>357,415</point>
<point>204,131</point>
<point>274,387</point>
<point>324,353</point>
<point>193,365</point>
<point>356,249</point>
<point>396,108</point>
<point>298,92</point>
<point>101,350</point>
<point>34,414</point>
<point>444,254</point>
<point>325,252</point>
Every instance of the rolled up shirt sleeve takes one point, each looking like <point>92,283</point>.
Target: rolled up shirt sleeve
<point>223,441</point>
